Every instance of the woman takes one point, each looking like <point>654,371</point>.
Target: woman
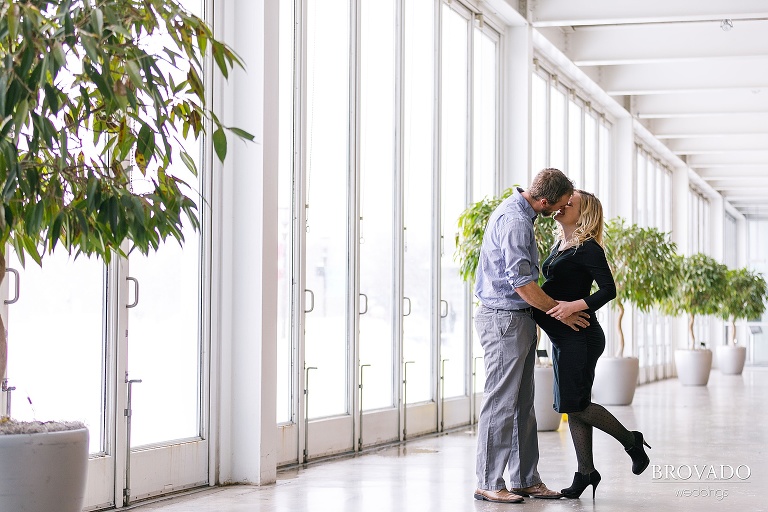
<point>576,261</point>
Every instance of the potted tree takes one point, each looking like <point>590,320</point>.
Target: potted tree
<point>86,105</point>
<point>472,223</point>
<point>700,287</point>
<point>743,297</point>
<point>635,256</point>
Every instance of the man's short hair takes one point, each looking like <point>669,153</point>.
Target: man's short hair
<point>550,184</point>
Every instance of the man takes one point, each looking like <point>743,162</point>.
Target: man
<point>507,287</point>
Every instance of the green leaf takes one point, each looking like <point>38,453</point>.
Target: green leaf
<point>145,144</point>
<point>189,162</point>
<point>91,47</point>
<point>218,55</point>
<point>13,22</point>
<point>55,233</point>
<point>241,133</point>
<point>134,73</point>
<point>97,21</point>
<point>220,144</point>
<point>52,98</point>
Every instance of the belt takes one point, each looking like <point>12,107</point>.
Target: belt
<point>529,309</point>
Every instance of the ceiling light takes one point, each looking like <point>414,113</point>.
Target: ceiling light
<point>726,25</point>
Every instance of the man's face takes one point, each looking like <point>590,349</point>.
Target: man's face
<point>549,208</point>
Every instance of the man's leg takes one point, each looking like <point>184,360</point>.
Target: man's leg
<point>523,464</point>
<point>506,339</point>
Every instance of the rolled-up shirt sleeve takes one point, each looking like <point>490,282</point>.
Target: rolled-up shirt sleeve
<point>519,266</point>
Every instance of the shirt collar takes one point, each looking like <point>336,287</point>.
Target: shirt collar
<point>525,205</point>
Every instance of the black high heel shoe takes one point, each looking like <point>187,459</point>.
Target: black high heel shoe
<point>640,460</point>
<point>581,482</point>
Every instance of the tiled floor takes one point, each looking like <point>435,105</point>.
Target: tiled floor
<point>690,428</point>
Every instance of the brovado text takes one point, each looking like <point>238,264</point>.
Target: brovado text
<point>700,472</point>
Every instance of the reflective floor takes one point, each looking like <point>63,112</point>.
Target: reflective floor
<point>709,453</point>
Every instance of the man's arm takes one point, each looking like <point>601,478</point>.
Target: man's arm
<point>535,296</point>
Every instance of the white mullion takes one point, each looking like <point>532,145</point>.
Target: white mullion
<point>398,247</point>
<point>437,228</point>
<point>300,220</point>
<point>353,205</point>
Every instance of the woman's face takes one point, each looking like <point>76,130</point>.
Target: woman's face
<point>568,215</point>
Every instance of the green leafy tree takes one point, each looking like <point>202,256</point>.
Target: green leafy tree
<point>472,224</point>
<point>94,94</point>
<point>699,290</point>
<point>642,262</point>
<point>743,297</point>
<point>545,229</point>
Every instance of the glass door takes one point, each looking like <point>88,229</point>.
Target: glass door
<point>61,357</point>
<point>419,222</point>
<point>163,346</point>
<point>379,215</point>
<point>456,82</point>
<point>164,371</point>
<point>485,162</point>
<point>328,239</point>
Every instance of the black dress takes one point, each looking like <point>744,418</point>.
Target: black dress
<point>569,276</point>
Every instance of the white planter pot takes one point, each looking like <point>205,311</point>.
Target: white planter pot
<point>693,366</point>
<point>615,380</point>
<point>731,358</point>
<point>43,472</point>
<point>547,418</point>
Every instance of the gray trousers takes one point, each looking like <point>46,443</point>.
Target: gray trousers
<point>506,430</point>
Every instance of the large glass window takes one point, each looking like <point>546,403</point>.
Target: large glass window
<point>698,229</point>
<point>568,133</point>
<point>377,195</point>
<point>484,143</point>
<point>652,209</point>
<point>327,213</point>
<point>539,124</point>
<point>575,138</point>
<point>557,129</point>
<point>418,197</point>
<point>485,154</point>
<point>58,366</point>
<point>730,244</point>
<point>453,185</point>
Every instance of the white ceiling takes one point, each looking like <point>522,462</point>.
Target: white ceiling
<point>701,90</point>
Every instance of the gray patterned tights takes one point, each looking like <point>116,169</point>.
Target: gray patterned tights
<point>581,423</point>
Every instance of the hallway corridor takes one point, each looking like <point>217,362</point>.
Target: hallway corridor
<point>690,429</point>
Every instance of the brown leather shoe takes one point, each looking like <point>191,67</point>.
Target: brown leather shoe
<point>538,491</point>
<point>500,496</point>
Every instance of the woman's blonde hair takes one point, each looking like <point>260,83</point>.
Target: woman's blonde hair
<point>590,223</point>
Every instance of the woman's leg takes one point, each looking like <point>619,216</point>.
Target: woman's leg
<point>595,415</point>
<point>581,434</point>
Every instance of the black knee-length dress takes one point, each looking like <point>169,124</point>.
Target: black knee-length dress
<point>569,276</point>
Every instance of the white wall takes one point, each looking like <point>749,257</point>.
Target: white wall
<point>244,431</point>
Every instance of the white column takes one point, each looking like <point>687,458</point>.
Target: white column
<point>516,141</point>
<point>244,336</point>
<point>742,245</point>
<point>679,235</point>
<point>717,228</point>
<point>623,173</point>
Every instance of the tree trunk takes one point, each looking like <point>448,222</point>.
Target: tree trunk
<point>620,348</point>
<point>733,330</point>
<point>690,331</point>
